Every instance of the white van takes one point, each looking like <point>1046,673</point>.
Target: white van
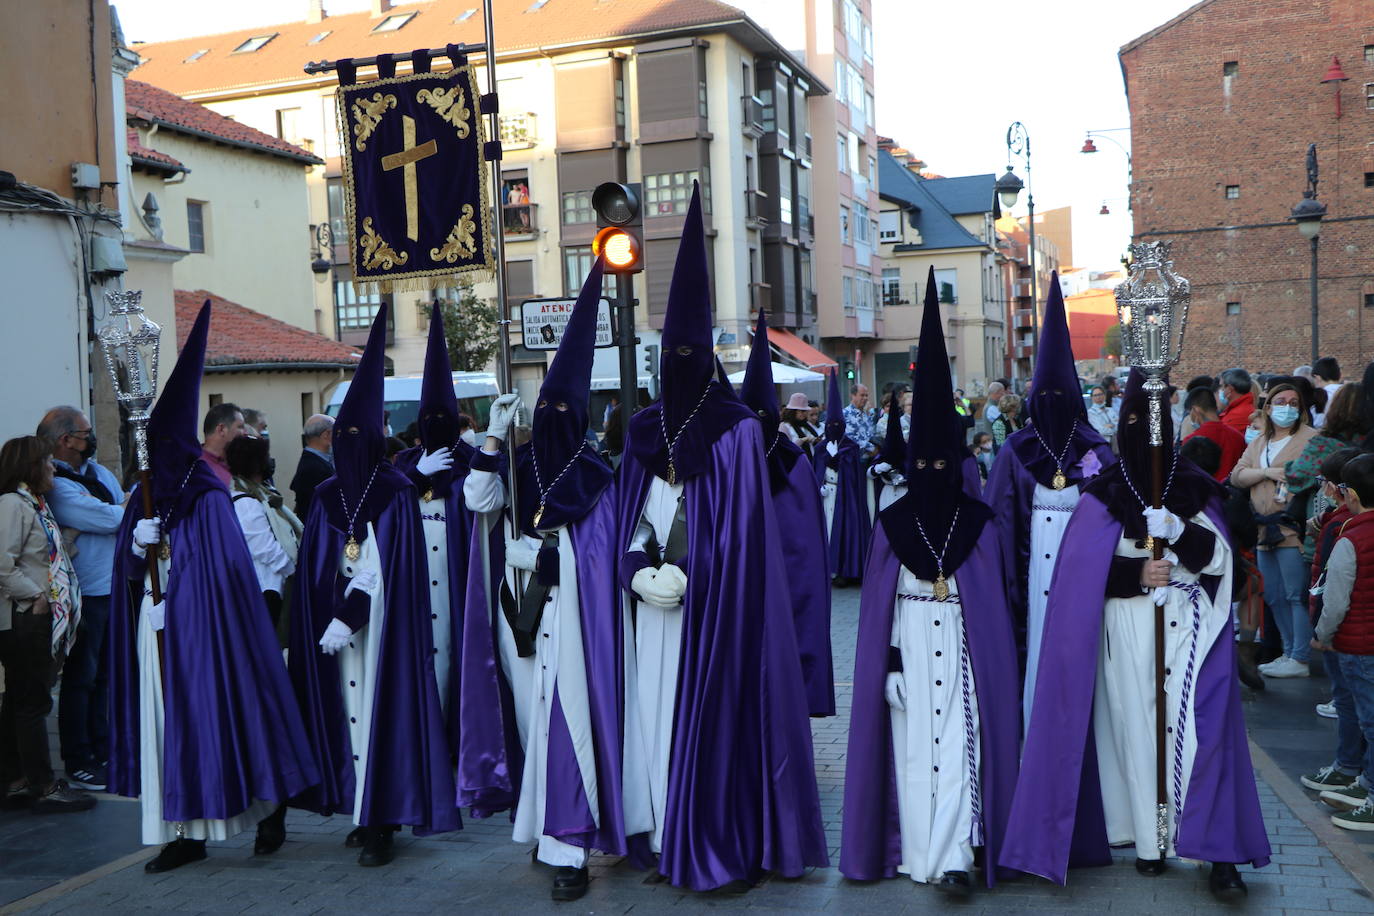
<point>401,397</point>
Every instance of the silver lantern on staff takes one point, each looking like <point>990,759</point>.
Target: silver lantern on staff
<point>1152,306</point>
<point>131,342</point>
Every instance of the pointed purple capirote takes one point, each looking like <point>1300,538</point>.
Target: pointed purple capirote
<point>834,409</point>
<point>688,358</point>
<point>1055,400</point>
<point>438,421</point>
<point>757,391</point>
<point>173,425</point>
<point>359,431</point>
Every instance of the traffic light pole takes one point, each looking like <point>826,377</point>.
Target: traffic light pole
<point>626,340</point>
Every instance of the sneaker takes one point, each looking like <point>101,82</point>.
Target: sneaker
<point>17,797</point>
<point>62,798</point>
<point>1326,710</point>
<point>83,778</point>
<point>1348,798</point>
<point>1269,666</point>
<point>1362,818</point>
<point>1289,667</point>
<point>1328,777</point>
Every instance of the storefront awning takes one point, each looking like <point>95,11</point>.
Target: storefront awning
<point>798,351</point>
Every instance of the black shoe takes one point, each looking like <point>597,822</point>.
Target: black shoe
<point>62,799</point>
<point>1152,868</point>
<point>656,877</point>
<point>271,833</point>
<point>176,854</point>
<point>377,847</point>
<point>1225,883</point>
<point>955,884</point>
<point>355,838</point>
<point>18,797</point>
<point>570,883</point>
<point>736,887</point>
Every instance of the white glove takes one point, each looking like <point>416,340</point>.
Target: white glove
<point>894,479</point>
<point>645,584</point>
<point>364,580</point>
<point>880,469</point>
<point>503,411</point>
<point>440,459</point>
<point>1161,593</point>
<point>147,532</point>
<point>895,691</point>
<point>335,637</point>
<point>520,554</point>
<point>833,448</point>
<point>157,615</point>
<point>673,581</point>
<point>1161,523</point>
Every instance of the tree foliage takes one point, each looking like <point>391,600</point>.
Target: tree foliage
<point>471,327</point>
<point>1111,341</point>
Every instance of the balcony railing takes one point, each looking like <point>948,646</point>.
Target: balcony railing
<point>1021,318</point>
<point>751,115</point>
<point>894,297</point>
<point>518,130</point>
<point>519,219</point>
<point>760,296</point>
<point>754,202</point>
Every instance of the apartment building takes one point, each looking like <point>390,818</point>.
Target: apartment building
<point>660,92</point>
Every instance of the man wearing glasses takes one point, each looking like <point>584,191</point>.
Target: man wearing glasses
<point>87,502</point>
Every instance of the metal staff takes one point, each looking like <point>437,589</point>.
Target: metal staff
<point>1152,306</point>
<point>131,344</point>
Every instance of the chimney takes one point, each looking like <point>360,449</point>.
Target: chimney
<point>380,8</point>
<point>315,11</point>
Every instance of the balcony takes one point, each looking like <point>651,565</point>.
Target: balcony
<point>1022,351</point>
<point>809,303</point>
<point>518,130</point>
<point>751,116</point>
<point>760,296</point>
<point>1021,318</point>
<point>518,220</point>
<point>806,149</point>
<point>894,297</point>
<point>864,315</point>
<point>754,203</point>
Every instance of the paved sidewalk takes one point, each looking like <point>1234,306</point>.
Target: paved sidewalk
<point>479,868</point>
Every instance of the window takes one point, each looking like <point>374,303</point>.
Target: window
<point>288,124</point>
<point>947,286</point>
<point>577,263</point>
<point>1369,300</point>
<point>197,56</point>
<point>254,43</point>
<point>354,311</point>
<point>1369,179</point>
<point>195,225</point>
<point>1233,308</point>
<point>892,286</point>
<point>861,224</point>
<point>393,23</point>
<point>1369,96</point>
<point>619,101</point>
<point>1230,68</point>
<point>338,225</point>
<point>669,193</point>
<point>785,194</point>
<point>840,80</point>
<point>536,6</point>
<point>746,79</point>
<point>842,154</point>
<point>872,170</point>
<point>701,98</point>
<point>318,38</point>
<point>1369,54</point>
<point>848,287</point>
<point>783,100</point>
<point>890,226</point>
<point>465,15</point>
<point>577,208</point>
<point>856,86</point>
<point>853,20</point>
<point>868,109</point>
<point>844,225</point>
<point>516,211</point>
<point>1232,191</point>
<point>868,41</point>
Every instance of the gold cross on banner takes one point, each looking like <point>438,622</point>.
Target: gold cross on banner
<point>406,159</point>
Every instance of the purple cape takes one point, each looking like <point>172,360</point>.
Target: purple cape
<point>232,733</point>
<point>409,770</point>
<point>1010,492</point>
<point>567,814</point>
<point>851,527</point>
<point>742,796</point>
<point>801,525</point>
<point>480,723</point>
<point>1056,818</point>
<point>871,845</point>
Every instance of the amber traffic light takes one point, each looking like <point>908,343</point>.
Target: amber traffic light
<point>620,233</point>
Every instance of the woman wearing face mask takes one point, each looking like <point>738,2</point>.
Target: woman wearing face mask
<point>1261,470</point>
<point>1102,415</point>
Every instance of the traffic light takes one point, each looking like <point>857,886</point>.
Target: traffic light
<point>911,358</point>
<point>651,360</point>
<point>620,227</point>
<point>849,369</point>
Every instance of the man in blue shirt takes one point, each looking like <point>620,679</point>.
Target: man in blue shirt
<point>859,423</point>
<point>87,502</point>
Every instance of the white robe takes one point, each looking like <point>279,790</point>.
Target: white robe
<point>1124,705</point>
<point>433,517</point>
<point>935,740</point>
<point>358,665</point>
<point>658,651</point>
<point>1050,511</point>
<point>829,494</point>
<point>157,831</point>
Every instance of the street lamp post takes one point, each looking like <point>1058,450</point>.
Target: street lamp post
<point>1308,217</point>
<point>1008,189</point>
<point>1090,147</point>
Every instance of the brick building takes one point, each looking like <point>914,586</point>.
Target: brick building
<point>1224,100</point>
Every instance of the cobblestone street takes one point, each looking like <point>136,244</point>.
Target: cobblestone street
<point>93,864</point>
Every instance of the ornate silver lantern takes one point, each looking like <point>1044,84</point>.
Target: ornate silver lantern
<point>1152,306</point>
<point>131,343</point>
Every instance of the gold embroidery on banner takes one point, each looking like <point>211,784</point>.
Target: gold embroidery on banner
<point>376,252</point>
<point>450,106</point>
<point>461,239</point>
<point>368,114</point>
<point>405,160</point>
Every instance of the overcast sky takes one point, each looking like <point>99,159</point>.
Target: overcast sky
<point>951,77</point>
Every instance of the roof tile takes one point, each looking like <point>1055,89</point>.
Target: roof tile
<point>240,336</point>
<point>146,102</point>
<point>152,157</point>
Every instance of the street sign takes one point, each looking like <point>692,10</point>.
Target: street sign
<point>542,322</point>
